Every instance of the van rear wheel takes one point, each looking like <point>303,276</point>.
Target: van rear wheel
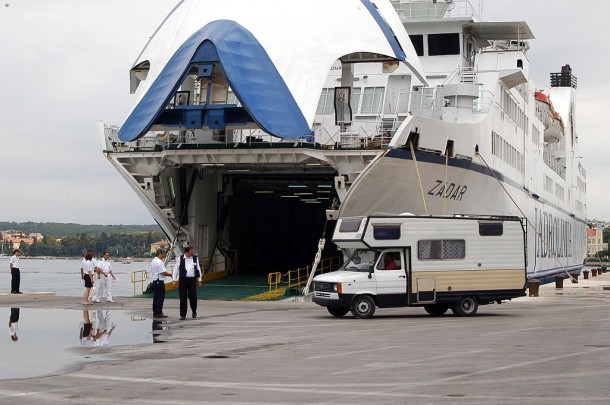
<point>436,310</point>
<point>363,307</point>
<point>337,311</point>
<point>466,306</point>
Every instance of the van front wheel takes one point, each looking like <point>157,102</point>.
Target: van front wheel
<point>337,311</point>
<point>466,306</point>
<point>363,307</point>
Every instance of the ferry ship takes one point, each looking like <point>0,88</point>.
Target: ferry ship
<point>257,123</point>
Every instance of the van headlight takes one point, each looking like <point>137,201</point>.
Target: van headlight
<point>335,287</point>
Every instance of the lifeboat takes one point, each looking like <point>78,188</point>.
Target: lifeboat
<point>554,133</point>
<point>553,124</point>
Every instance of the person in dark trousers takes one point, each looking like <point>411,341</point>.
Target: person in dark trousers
<point>188,272</point>
<point>157,275</point>
<point>15,274</point>
<point>13,323</point>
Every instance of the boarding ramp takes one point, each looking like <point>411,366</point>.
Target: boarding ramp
<point>228,285</point>
<point>293,281</point>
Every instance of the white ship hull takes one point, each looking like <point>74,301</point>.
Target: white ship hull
<point>235,170</point>
<point>390,185</point>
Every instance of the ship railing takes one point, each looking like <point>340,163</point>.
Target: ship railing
<point>556,164</point>
<point>152,141</point>
<point>362,134</point>
<point>429,101</point>
<point>424,9</point>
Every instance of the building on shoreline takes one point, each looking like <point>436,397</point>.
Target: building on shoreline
<point>595,241</point>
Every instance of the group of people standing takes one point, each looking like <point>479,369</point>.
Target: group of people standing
<point>97,275</point>
<point>187,272</point>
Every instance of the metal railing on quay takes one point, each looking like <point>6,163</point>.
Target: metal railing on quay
<point>298,277</point>
<point>139,276</point>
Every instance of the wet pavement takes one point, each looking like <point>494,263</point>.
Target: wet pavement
<point>554,348</point>
<point>45,341</point>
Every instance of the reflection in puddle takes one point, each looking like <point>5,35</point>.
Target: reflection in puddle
<point>43,341</point>
<point>98,335</point>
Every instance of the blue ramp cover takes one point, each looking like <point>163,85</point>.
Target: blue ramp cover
<point>246,67</point>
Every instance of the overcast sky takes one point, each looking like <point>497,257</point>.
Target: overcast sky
<point>64,66</point>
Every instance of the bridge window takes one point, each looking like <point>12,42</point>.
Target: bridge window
<point>326,102</point>
<point>371,100</point>
<point>443,44</point>
<point>418,44</point>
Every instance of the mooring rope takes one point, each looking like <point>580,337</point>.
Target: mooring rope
<point>421,187</point>
<point>446,173</point>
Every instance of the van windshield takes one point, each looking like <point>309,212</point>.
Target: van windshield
<point>361,260</point>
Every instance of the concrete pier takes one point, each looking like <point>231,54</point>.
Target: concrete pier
<point>553,348</point>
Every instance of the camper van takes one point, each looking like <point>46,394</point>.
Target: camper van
<point>438,262</point>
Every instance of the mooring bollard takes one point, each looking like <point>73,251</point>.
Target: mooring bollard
<point>593,272</point>
<point>586,273</point>
<point>574,278</point>
<point>558,282</point>
<point>533,286</point>
<point>604,268</point>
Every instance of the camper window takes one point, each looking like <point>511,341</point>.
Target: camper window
<point>450,249</point>
<point>386,232</point>
<point>491,228</point>
<point>350,224</point>
<point>389,261</point>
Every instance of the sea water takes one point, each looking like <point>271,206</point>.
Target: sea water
<point>62,276</point>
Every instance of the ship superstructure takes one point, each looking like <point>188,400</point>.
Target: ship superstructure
<point>246,132</point>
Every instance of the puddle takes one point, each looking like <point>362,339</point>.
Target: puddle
<point>50,341</point>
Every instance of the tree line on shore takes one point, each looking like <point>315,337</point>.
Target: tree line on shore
<point>131,241</point>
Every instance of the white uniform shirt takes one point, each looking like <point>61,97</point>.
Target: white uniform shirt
<point>105,266</point>
<point>189,264</point>
<point>88,267</point>
<point>94,262</point>
<point>14,328</point>
<point>156,268</point>
<point>15,261</point>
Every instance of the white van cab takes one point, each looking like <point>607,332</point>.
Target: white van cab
<point>437,262</point>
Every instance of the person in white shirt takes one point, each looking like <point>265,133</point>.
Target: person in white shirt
<point>95,292</point>
<point>87,271</point>
<point>104,328</point>
<point>105,283</point>
<point>188,272</point>
<point>86,330</point>
<point>13,324</point>
<point>157,276</point>
<point>15,274</point>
